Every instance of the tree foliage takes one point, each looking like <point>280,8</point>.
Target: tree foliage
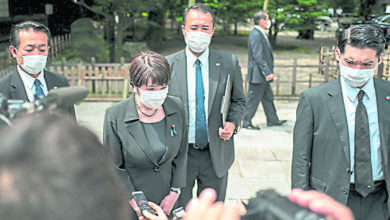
<point>366,8</point>
<point>234,12</point>
<point>132,17</point>
<point>129,18</point>
<point>348,6</point>
<point>297,15</point>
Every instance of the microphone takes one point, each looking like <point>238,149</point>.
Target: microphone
<point>63,97</point>
<point>60,97</point>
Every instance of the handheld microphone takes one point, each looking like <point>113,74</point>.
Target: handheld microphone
<point>67,96</point>
<point>63,97</point>
<point>60,97</point>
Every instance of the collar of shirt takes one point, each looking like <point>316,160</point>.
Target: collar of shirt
<point>261,30</point>
<point>351,92</point>
<point>28,82</point>
<point>191,58</point>
<point>350,103</point>
<point>191,84</point>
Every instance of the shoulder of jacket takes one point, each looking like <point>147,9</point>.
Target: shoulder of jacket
<point>320,89</point>
<point>175,100</point>
<point>119,106</point>
<point>223,54</point>
<point>174,55</point>
<point>53,74</point>
<point>9,75</point>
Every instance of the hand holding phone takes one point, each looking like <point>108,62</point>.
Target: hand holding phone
<point>142,202</point>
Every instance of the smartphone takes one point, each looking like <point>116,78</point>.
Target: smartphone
<point>179,213</point>
<point>142,202</point>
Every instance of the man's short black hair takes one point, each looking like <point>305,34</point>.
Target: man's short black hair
<point>362,36</point>
<point>27,25</point>
<point>201,7</point>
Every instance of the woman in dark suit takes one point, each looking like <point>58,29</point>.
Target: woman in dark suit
<point>147,134</point>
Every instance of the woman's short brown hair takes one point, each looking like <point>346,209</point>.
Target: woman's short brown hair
<point>149,65</point>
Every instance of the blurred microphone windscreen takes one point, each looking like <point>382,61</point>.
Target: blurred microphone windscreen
<point>67,96</point>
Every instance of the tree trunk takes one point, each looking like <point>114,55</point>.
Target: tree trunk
<point>156,26</point>
<point>109,32</point>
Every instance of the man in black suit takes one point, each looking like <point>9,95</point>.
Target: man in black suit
<point>341,135</point>
<point>260,74</point>
<point>199,78</point>
<point>30,47</point>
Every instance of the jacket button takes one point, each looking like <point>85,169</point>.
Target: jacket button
<point>156,169</point>
<point>349,171</point>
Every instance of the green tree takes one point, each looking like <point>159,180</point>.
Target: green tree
<point>130,17</point>
<point>233,12</point>
<point>348,6</point>
<point>366,8</point>
<point>298,15</point>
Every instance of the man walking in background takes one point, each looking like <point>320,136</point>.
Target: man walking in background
<point>260,74</point>
<point>199,78</point>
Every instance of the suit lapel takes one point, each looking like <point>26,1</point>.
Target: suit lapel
<point>136,130</point>
<point>17,89</point>
<point>267,43</point>
<point>215,65</point>
<point>172,140</point>
<point>179,88</point>
<point>50,81</point>
<point>337,112</point>
<point>383,106</point>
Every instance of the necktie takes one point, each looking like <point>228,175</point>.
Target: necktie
<point>38,89</point>
<point>363,171</point>
<point>201,136</point>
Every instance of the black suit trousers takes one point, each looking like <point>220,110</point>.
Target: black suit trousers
<point>260,92</point>
<point>200,169</point>
<point>373,206</point>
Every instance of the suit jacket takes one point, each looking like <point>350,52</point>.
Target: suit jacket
<point>321,158</point>
<point>260,57</point>
<point>133,156</point>
<point>220,65</point>
<point>12,87</point>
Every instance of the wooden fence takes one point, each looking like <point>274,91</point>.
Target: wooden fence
<point>292,77</point>
<point>109,81</point>
<point>106,82</point>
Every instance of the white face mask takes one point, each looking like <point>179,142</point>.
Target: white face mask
<point>34,64</point>
<point>198,41</point>
<point>356,77</point>
<point>153,99</point>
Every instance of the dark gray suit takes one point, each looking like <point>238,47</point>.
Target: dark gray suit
<point>221,153</point>
<point>321,157</point>
<point>12,87</point>
<point>260,65</point>
<point>133,156</point>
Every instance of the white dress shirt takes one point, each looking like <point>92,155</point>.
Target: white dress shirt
<point>28,82</point>
<point>191,84</point>
<point>369,101</point>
